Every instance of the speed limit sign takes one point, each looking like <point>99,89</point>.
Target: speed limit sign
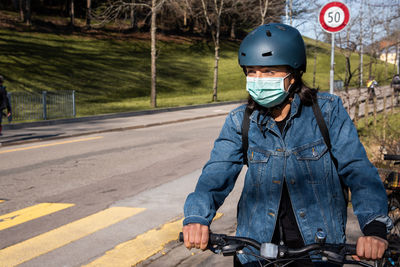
<point>334,17</point>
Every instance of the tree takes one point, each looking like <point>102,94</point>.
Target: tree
<point>72,13</point>
<point>24,7</point>
<point>114,9</point>
<point>212,14</point>
<point>88,12</point>
<point>21,10</point>
<point>263,10</point>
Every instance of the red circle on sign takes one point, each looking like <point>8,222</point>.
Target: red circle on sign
<point>345,10</point>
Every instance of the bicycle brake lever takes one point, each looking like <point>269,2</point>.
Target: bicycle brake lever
<point>334,257</point>
<point>361,263</point>
<point>231,249</point>
<point>226,249</point>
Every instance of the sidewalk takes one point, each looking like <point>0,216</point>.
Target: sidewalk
<point>22,133</point>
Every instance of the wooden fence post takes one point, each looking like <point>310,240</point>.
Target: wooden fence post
<point>384,117</point>
<point>375,106</point>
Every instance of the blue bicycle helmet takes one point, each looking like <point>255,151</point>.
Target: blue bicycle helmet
<point>273,44</point>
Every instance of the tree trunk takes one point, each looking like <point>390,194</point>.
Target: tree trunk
<point>216,56</point>
<point>375,106</point>
<point>88,13</point>
<point>370,68</point>
<point>132,17</point>
<point>315,64</point>
<point>366,110</point>
<point>233,27</point>
<point>21,10</point>
<point>185,18</point>
<point>396,60</point>
<point>72,13</point>
<point>263,10</point>
<point>386,63</point>
<point>347,80</point>
<point>28,12</point>
<point>384,117</point>
<point>153,96</point>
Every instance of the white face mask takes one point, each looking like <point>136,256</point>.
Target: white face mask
<point>268,91</point>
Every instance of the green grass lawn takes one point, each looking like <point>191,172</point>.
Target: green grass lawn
<point>113,75</point>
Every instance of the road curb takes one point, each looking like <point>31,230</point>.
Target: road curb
<point>113,115</point>
<point>11,143</point>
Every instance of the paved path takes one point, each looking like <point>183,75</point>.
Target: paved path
<point>47,130</point>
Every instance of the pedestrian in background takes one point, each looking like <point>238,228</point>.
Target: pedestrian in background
<point>395,84</point>
<point>4,102</point>
<point>371,85</point>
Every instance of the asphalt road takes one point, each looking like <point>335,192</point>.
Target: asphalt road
<point>110,198</point>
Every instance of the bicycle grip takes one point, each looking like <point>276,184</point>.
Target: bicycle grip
<point>213,238</point>
<point>391,157</point>
<point>180,238</point>
<point>351,249</point>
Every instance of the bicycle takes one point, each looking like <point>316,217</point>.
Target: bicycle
<point>392,184</point>
<point>279,255</point>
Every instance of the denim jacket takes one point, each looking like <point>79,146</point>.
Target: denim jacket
<point>299,157</point>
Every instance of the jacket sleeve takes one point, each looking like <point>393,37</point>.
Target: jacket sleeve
<point>368,195</point>
<point>218,176</point>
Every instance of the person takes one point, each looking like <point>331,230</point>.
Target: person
<point>395,84</point>
<point>292,187</point>
<point>371,85</point>
<point>4,102</point>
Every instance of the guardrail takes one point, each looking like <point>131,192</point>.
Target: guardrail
<point>47,105</point>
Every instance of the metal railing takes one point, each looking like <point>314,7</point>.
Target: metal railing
<point>48,105</point>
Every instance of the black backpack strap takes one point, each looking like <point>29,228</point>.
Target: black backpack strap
<point>321,123</point>
<point>325,134</point>
<point>245,133</point>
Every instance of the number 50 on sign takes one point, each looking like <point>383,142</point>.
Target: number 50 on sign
<point>334,17</point>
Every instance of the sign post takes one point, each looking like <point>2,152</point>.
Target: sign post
<point>333,18</point>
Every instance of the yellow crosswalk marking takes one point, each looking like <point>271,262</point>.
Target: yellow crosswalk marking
<point>63,235</point>
<point>30,213</point>
<point>51,144</point>
<point>142,247</point>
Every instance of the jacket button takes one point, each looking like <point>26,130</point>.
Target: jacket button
<point>292,181</point>
<point>302,214</point>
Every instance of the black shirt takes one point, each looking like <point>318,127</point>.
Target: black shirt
<point>286,228</point>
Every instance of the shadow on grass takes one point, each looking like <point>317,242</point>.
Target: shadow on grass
<point>100,71</point>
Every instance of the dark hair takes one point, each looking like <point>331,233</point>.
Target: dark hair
<point>306,93</point>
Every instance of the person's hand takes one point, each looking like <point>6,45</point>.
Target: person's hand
<point>195,235</point>
<point>8,114</point>
<point>370,248</point>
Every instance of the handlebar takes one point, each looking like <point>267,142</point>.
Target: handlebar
<point>335,253</point>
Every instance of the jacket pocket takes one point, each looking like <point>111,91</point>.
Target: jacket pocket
<point>258,155</point>
<point>314,160</point>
